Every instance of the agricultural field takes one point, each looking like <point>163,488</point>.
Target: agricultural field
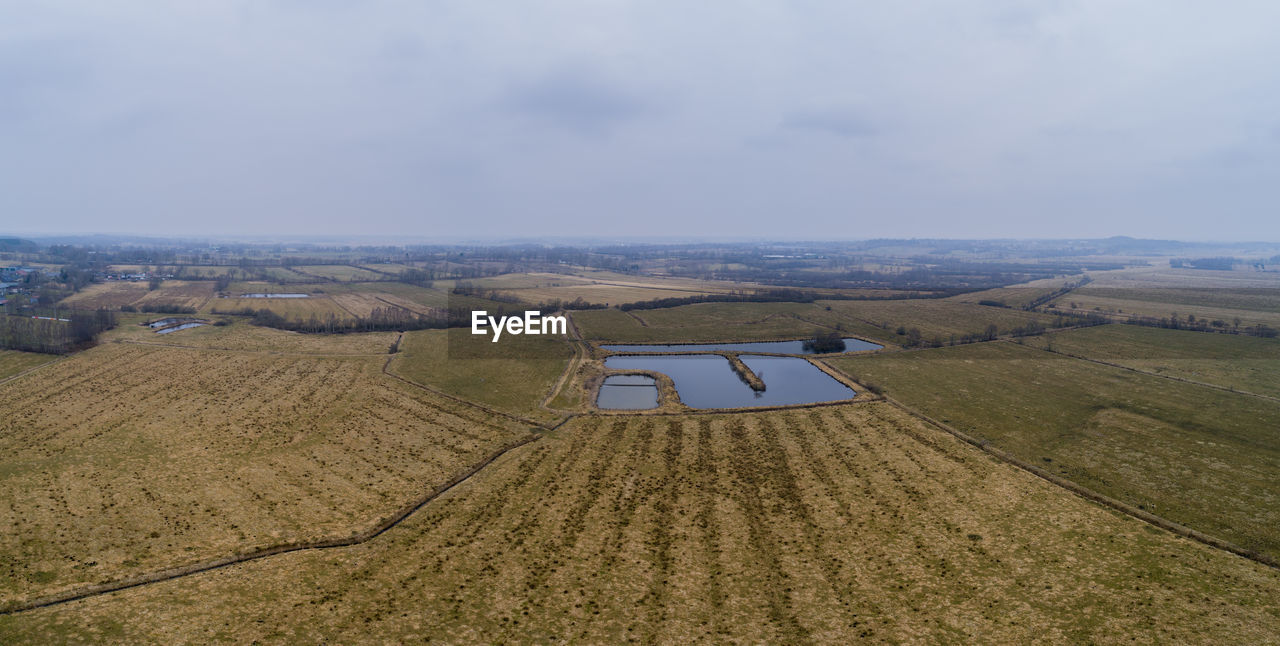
<point>512,376</point>
<point>1018,295</point>
<point>318,303</point>
<point>1203,457</point>
<point>127,458</point>
<point>117,294</point>
<point>361,298</point>
<point>340,273</point>
<point>832,524</point>
<point>13,362</point>
<point>1234,361</point>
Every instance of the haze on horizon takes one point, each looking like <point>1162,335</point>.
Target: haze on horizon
<point>552,119</point>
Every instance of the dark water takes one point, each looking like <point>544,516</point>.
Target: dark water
<point>707,381</point>
<point>184,326</point>
<point>628,392</point>
<point>779,347</point>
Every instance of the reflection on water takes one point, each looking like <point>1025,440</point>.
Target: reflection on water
<point>707,381</point>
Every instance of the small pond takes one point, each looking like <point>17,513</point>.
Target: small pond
<point>184,326</point>
<point>707,381</point>
<point>275,295</point>
<point>777,347</point>
<point>162,323</point>
<point>628,392</point>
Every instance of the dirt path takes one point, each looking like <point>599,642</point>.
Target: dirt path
<point>31,370</point>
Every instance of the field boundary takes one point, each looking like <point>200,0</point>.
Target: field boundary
<point>1091,495</point>
<point>170,574</point>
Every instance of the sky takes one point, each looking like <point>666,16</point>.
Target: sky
<point>796,119</point>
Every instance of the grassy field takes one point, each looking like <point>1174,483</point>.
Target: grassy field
<point>1143,303</point>
<point>877,320</point>
<point>319,303</point>
<point>127,458</point>
<point>1199,456</point>
<point>827,525</point>
<point>13,362</point>
<point>713,322</point>
<point>513,375</point>
<point>1228,360</point>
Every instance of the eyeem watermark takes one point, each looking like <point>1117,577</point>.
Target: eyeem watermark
<point>533,322</point>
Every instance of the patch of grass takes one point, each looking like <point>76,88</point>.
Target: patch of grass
<point>512,375</point>
<point>1228,360</point>
<point>1199,456</point>
<point>344,273</point>
<point>13,362</point>
<point>834,525</point>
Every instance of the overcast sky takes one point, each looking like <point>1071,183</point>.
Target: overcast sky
<point>969,118</point>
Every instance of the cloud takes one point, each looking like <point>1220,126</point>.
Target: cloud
<point>574,100</point>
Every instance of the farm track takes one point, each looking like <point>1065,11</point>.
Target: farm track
<point>170,574</point>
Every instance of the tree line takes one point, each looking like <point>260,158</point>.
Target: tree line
<point>51,334</point>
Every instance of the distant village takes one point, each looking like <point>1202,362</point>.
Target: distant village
<point>20,280</point>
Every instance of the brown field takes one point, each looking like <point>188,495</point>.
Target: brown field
<point>126,458</point>
<point>343,273</point>
<point>832,525</point>
<point>116,294</point>
<point>241,336</point>
<point>112,295</point>
<point>318,305</point>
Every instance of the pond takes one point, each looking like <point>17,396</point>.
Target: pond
<point>777,347</point>
<point>707,381</point>
<point>628,392</point>
<point>283,295</point>
<point>184,326</point>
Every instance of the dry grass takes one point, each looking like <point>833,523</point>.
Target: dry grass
<point>828,525</point>
<point>126,459</point>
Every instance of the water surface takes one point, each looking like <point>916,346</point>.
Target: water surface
<point>628,392</point>
<point>184,326</point>
<point>707,381</point>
